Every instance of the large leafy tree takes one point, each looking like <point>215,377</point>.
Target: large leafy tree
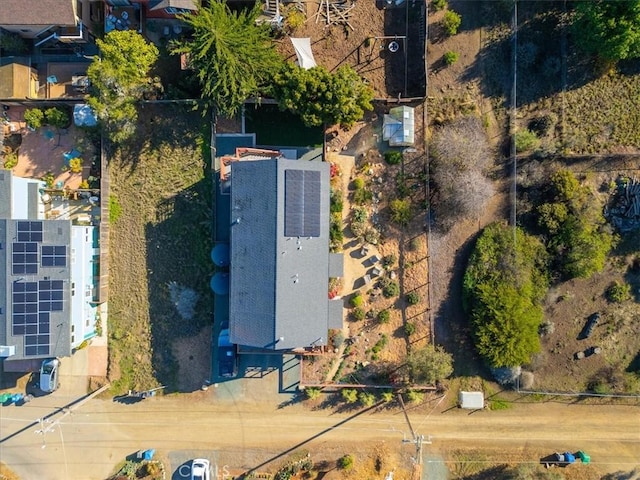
<point>503,288</point>
<point>609,28</point>
<point>232,57</point>
<point>120,77</point>
<point>321,97</point>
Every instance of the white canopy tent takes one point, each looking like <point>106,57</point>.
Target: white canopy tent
<point>302,47</point>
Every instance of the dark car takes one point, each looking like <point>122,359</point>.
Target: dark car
<point>227,356</point>
<point>592,321</point>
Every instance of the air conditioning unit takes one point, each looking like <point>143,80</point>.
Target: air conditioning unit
<point>7,350</point>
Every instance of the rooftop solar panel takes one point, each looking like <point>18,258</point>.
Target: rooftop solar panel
<point>302,203</point>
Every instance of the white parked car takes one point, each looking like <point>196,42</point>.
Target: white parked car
<point>200,469</point>
<point>49,375</point>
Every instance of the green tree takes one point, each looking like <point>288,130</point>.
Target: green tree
<point>119,79</point>
<point>321,97</point>
<point>56,117</point>
<point>608,28</point>
<point>233,58</point>
<point>34,118</point>
<point>577,233</point>
<point>429,364</point>
<point>503,288</point>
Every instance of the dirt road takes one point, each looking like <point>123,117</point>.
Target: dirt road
<point>89,442</point>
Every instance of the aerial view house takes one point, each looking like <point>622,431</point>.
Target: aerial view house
<point>279,253</point>
<point>43,20</point>
<point>47,271</point>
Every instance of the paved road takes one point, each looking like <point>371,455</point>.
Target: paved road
<point>89,442</point>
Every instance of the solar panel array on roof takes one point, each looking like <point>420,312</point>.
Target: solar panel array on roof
<point>32,302</point>
<point>29,231</point>
<point>301,203</point>
<point>24,258</point>
<point>54,256</point>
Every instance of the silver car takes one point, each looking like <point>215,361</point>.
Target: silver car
<point>49,375</point>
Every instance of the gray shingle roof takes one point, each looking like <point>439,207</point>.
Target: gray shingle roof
<point>37,12</point>
<point>278,284</point>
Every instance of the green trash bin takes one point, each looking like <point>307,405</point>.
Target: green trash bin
<point>4,398</point>
<point>584,457</point>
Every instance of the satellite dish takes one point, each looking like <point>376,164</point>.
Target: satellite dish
<point>393,46</point>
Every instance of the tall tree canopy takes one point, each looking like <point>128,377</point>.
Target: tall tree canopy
<point>233,57</point>
<point>503,288</point>
<point>321,97</point>
<point>429,364</point>
<point>119,78</point>
<point>609,28</point>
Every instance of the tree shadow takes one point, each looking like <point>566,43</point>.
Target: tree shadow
<point>179,266</point>
<point>452,329</point>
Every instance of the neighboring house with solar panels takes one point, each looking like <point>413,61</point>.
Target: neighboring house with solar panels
<point>47,285</point>
<point>280,262</point>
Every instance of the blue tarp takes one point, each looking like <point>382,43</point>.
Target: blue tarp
<point>84,116</point>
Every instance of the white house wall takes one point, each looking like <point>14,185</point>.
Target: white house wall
<point>83,310</point>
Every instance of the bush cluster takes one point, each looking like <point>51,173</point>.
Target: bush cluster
<point>451,57</point>
<point>575,228</point>
<point>393,157</point>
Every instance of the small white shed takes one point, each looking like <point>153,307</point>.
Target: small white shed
<point>471,400</point>
<point>398,127</point>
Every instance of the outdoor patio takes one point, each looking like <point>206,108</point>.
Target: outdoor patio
<point>42,152</point>
<point>63,80</point>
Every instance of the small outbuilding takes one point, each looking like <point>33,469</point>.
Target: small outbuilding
<point>399,127</point>
<point>471,400</point>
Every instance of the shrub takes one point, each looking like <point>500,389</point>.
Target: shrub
<point>526,140</point>
<point>547,328</point>
<point>356,300</point>
<point>451,22</point>
<point>367,399</point>
<point>618,292</point>
<point>10,160</point>
<point>336,203</point>
<point>372,236</point>
<point>48,179</point>
<point>450,57</point>
<point>387,396</point>
<point>358,314</point>
<point>400,211</point>
<point>358,183</point>
<point>312,393</point>
<point>358,228</point>
<point>429,364</point>
<point>439,4</point>
<point>115,210</point>
<point>388,261</point>
<point>75,165</point>
<point>384,316</point>
<point>409,329</point>
<point>84,185</point>
<point>34,118</point>
<point>335,232</point>
<point>413,298</point>
<point>414,396</point>
<point>346,462</point>
<point>294,19</point>
<point>362,196</point>
<point>349,395</point>
<point>392,157</point>
<point>338,339</point>
<point>390,288</point>
<point>360,214</point>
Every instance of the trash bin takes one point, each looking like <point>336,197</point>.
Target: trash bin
<point>4,398</point>
<point>146,454</point>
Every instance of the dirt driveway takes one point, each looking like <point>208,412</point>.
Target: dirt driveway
<point>247,433</point>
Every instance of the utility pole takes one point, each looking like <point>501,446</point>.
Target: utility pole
<point>417,439</point>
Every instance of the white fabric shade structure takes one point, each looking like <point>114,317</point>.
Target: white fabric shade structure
<point>302,46</point>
